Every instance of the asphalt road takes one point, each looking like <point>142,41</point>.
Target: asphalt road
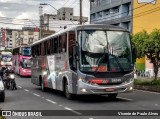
<point>30,97</point>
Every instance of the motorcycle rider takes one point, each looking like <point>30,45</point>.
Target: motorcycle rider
<point>6,72</point>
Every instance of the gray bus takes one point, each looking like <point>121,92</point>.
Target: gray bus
<point>85,59</point>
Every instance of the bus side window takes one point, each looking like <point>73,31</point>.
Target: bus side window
<point>42,49</point>
<point>45,48</point>
<point>39,45</point>
<point>48,47</point>
<point>32,49</point>
<point>55,45</point>
<point>60,44</point>
<point>72,43</point>
<point>52,45</point>
<point>64,42</point>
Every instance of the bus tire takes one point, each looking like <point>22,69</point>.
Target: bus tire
<point>112,96</point>
<point>67,93</point>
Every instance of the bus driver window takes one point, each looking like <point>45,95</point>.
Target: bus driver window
<point>72,43</point>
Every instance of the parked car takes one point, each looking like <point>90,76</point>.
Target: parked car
<point>2,92</point>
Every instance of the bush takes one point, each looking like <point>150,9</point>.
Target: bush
<point>147,82</point>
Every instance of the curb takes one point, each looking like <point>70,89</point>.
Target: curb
<point>148,88</point>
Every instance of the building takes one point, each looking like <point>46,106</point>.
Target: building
<point>26,36</point>
<point>114,12</point>
<point>64,16</point>
<point>6,38</point>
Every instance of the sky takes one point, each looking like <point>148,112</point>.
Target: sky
<point>29,9</point>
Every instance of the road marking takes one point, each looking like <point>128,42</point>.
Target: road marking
<point>125,98</point>
<point>36,94</point>
<point>147,91</point>
<point>26,90</point>
<point>67,108</point>
<point>90,118</point>
<point>42,97</point>
<point>19,87</point>
<point>156,104</point>
<point>51,101</point>
<point>60,105</point>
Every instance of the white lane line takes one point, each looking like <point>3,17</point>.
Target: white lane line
<point>19,87</point>
<point>60,105</point>
<point>36,94</point>
<point>125,98</point>
<point>26,90</point>
<point>51,101</point>
<point>42,97</point>
<point>156,104</point>
<point>147,91</point>
<point>78,113</point>
<point>90,118</point>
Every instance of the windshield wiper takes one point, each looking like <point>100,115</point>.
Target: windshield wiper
<point>119,64</point>
<point>100,61</point>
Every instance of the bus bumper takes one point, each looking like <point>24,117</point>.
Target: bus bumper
<point>84,88</point>
<point>25,72</point>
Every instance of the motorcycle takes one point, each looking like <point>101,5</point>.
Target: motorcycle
<point>9,79</point>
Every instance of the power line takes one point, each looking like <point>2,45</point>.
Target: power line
<point>72,3</point>
<point>65,3</point>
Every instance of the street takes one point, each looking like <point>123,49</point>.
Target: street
<point>30,97</point>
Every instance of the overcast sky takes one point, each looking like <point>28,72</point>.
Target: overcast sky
<point>29,9</point>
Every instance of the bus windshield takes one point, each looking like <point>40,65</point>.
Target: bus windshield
<point>26,51</point>
<point>6,58</point>
<point>104,51</point>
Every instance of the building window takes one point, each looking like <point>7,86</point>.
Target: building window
<point>100,14</point>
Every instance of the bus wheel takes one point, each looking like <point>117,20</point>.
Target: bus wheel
<point>112,96</point>
<point>42,86</point>
<point>67,93</point>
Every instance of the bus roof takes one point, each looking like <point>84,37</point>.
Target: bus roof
<point>6,53</point>
<point>84,27</point>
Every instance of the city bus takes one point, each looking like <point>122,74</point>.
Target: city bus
<point>84,60</point>
<point>22,60</point>
<point>5,58</point>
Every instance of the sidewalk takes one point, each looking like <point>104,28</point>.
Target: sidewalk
<point>148,84</point>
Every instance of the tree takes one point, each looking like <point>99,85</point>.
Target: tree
<point>149,45</point>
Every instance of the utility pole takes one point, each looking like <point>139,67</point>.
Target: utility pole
<point>80,20</point>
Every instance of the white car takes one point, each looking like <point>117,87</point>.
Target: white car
<point>2,93</point>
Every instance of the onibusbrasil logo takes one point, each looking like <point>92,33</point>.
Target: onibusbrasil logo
<point>147,1</point>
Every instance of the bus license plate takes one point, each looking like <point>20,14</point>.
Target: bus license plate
<point>109,89</point>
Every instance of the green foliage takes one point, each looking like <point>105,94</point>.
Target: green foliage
<point>139,39</point>
<point>148,45</point>
<point>147,82</point>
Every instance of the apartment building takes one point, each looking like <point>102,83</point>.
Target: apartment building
<point>26,36</point>
<point>63,17</point>
<point>114,12</point>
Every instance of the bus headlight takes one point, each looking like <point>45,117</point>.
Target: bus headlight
<point>86,81</point>
<point>2,63</point>
<point>45,73</point>
<point>12,76</point>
